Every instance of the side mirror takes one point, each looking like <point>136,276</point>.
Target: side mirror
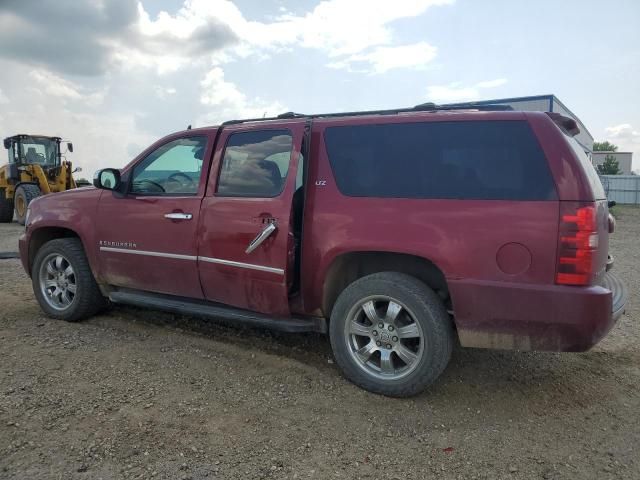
<point>77,169</point>
<point>7,143</point>
<point>70,146</point>
<point>611,203</point>
<point>107,179</point>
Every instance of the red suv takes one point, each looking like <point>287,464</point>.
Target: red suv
<point>397,232</point>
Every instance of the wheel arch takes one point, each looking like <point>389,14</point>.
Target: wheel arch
<point>43,235</point>
<point>348,267</point>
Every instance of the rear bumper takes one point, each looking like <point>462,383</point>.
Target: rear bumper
<point>535,317</point>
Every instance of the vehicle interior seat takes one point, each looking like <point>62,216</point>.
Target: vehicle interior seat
<point>32,156</point>
<point>273,177</point>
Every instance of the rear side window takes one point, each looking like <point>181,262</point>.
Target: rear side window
<point>492,160</point>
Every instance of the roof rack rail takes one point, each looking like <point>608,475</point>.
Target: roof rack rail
<point>488,107</point>
<point>291,115</point>
<point>423,107</point>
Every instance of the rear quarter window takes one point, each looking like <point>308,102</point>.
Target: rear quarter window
<point>492,160</point>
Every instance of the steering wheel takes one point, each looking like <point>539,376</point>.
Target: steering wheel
<point>155,184</point>
<point>178,175</point>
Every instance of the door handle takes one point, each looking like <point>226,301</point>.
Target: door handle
<point>262,236</point>
<point>178,216</point>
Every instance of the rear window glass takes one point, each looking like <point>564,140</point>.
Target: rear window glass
<point>498,160</point>
<point>592,175</point>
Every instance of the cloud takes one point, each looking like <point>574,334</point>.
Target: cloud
<point>498,82</point>
<point>164,92</point>
<point>349,32</point>
<point>457,92</point>
<point>623,133</point>
<point>64,35</point>
<point>225,101</point>
<point>47,83</point>
<point>383,59</point>
<point>348,27</point>
<point>89,37</point>
<point>169,42</point>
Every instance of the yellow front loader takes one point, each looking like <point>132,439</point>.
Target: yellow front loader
<point>35,168</point>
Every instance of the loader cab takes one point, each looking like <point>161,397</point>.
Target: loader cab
<point>34,149</point>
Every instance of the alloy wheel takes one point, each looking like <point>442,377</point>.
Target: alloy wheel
<point>57,281</point>
<point>384,338</point>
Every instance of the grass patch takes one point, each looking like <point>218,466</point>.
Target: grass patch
<point>620,210</point>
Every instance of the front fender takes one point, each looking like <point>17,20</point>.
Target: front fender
<point>70,213</point>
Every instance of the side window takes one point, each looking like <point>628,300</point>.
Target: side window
<point>12,153</point>
<point>172,169</point>
<point>255,164</point>
<point>488,160</point>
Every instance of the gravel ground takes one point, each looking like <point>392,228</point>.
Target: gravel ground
<point>9,233</point>
<point>139,394</point>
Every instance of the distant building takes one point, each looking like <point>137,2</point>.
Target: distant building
<point>546,103</point>
<point>623,158</point>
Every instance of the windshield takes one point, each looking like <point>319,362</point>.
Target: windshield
<point>40,150</point>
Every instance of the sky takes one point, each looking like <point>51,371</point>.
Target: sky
<point>114,76</point>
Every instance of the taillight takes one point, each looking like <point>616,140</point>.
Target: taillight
<point>577,244</point>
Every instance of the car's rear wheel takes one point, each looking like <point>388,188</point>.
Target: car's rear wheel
<point>63,283</point>
<point>391,334</point>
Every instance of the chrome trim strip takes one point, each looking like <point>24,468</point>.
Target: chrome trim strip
<point>219,261</point>
<point>250,266</point>
<point>149,254</point>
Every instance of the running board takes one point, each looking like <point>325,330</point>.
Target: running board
<point>202,308</point>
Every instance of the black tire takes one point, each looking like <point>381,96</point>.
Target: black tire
<point>22,198</point>
<point>427,310</point>
<point>6,207</point>
<point>88,299</point>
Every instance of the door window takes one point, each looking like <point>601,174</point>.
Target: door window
<point>255,164</point>
<point>174,168</point>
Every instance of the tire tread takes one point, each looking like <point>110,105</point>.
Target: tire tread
<point>30,192</point>
<point>441,335</point>
<point>89,298</point>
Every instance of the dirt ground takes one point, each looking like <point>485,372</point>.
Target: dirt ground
<point>140,394</point>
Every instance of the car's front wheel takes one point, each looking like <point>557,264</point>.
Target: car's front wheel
<point>391,334</point>
<point>63,283</point>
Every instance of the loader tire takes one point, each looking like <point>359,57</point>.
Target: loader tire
<point>24,194</point>
<point>6,207</point>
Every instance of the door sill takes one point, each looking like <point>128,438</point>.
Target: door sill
<point>202,308</point>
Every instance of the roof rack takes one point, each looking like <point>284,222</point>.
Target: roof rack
<point>423,107</point>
